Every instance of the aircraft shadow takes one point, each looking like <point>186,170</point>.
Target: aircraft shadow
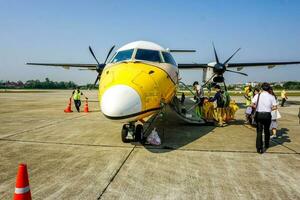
<point>175,133</point>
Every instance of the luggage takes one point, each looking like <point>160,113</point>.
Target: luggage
<point>248,110</point>
<point>154,138</point>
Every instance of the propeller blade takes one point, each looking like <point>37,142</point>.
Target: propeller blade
<point>96,80</point>
<point>231,56</point>
<point>237,72</point>
<point>216,56</point>
<point>109,53</point>
<point>92,52</point>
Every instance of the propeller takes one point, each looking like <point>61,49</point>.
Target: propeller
<point>100,66</point>
<point>216,56</point>
<point>222,66</point>
<point>231,56</point>
<point>237,72</point>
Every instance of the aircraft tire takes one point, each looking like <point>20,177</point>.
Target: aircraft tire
<point>138,133</point>
<point>124,134</point>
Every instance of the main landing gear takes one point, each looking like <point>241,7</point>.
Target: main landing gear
<point>130,132</point>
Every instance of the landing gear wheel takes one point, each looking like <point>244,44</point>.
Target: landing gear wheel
<point>138,133</point>
<point>124,134</point>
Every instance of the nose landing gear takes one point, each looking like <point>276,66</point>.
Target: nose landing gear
<point>130,132</point>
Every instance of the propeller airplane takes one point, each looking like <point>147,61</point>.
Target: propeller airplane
<point>142,77</point>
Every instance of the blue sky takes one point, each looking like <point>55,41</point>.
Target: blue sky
<point>61,31</point>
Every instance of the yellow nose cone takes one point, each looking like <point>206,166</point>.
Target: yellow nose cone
<point>149,86</point>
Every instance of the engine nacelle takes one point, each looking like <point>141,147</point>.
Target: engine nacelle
<point>207,74</point>
<point>218,79</point>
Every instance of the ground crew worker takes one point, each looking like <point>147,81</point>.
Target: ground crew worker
<point>283,97</point>
<point>76,94</point>
<point>263,103</point>
<point>220,104</point>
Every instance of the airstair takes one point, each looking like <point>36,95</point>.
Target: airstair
<point>185,110</point>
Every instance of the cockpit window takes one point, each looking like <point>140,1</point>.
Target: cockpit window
<point>149,55</point>
<point>168,58</point>
<point>122,55</point>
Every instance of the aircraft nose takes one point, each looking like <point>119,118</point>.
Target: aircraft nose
<point>119,101</point>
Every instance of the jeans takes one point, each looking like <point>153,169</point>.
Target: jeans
<point>263,122</point>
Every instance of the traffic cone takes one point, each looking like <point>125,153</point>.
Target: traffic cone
<point>22,190</point>
<point>86,106</point>
<point>69,109</point>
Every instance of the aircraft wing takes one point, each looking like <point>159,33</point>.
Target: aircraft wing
<point>237,65</point>
<point>270,64</point>
<point>192,66</point>
<point>68,65</point>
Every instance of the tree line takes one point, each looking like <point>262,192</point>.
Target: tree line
<point>37,84</point>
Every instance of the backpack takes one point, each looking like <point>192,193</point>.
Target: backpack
<point>225,98</point>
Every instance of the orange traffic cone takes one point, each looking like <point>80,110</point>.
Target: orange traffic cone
<point>69,109</point>
<point>86,106</point>
<point>22,190</point>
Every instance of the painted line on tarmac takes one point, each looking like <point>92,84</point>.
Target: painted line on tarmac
<point>112,179</point>
<point>62,143</point>
<point>139,147</point>
<point>274,141</point>
<point>208,150</point>
<point>44,126</point>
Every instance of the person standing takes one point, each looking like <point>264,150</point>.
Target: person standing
<point>199,98</point>
<point>198,89</point>
<point>248,95</point>
<point>283,97</point>
<point>275,115</point>
<point>220,105</point>
<point>263,103</point>
<point>76,94</point>
<point>253,122</point>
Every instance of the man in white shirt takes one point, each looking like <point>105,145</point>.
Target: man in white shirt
<point>199,98</point>
<point>264,103</point>
<point>198,89</point>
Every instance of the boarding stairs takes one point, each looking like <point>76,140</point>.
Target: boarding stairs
<point>186,110</point>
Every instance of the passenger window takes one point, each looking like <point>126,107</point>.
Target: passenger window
<point>149,55</point>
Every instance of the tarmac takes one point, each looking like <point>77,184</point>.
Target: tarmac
<point>81,155</point>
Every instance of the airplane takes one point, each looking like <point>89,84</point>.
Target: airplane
<point>142,78</point>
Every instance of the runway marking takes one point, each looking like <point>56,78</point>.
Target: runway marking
<point>112,179</point>
<point>274,141</point>
<point>141,147</point>
<point>211,150</point>
<point>44,126</point>
<point>63,143</point>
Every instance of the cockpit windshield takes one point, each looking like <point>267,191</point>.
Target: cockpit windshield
<point>168,58</point>
<point>149,55</point>
<point>122,55</point>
